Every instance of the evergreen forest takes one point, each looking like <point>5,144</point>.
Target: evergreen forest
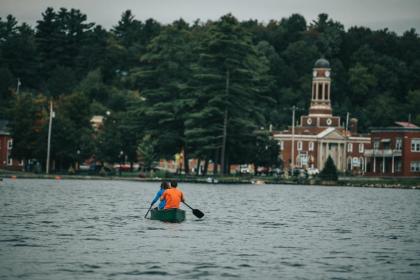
<point>213,90</point>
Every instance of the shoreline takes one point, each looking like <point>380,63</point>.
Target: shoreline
<point>361,182</point>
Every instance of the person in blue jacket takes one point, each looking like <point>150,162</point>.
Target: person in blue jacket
<point>164,186</point>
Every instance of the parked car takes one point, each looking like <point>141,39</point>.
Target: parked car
<point>313,171</point>
<point>297,172</point>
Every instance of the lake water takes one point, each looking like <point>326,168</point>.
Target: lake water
<point>72,229</point>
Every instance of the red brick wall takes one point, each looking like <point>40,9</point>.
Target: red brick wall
<point>407,155</point>
<point>3,155</point>
<point>286,153</point>
<point>3,151</point>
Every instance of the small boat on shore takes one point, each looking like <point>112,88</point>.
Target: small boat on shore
<point>173,215</point>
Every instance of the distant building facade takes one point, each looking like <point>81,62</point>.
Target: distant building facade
<point>6,146</point>
<point>320,134</point>
<point>395,151</point>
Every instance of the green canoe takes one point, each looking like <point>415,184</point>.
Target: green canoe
<point>172,215</point>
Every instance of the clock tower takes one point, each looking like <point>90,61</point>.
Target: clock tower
<point>320,111</point>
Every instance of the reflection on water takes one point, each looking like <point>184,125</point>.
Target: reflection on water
<point>96,230</point>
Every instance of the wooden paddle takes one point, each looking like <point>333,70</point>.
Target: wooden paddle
<point>196,212</point>
<point>148,211</point>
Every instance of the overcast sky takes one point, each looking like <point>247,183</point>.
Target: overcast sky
<point>397,15</point>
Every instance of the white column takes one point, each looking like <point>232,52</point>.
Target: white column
<point>383,164</point>
<point>392,164</point>
<point>339,157</point>
<point>320,156</point>
<point>364,165</point>
<point>374,164</point>
<point>364,161</point>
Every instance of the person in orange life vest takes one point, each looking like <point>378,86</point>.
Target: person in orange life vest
<point>173,196</point>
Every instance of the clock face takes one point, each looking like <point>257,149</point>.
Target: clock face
<point>309,121</point>
<point>329,121</point>
<point>314,73</point>
<point>327,73</point>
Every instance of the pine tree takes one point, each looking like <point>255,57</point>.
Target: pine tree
<point>161,79</point>
<point>228,89</point>
<point>329,172</point>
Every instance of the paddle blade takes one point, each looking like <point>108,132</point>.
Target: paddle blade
<point>198,213</point>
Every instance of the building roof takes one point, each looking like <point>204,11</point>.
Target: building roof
<point>401,127</point>
<point>4,130</point>
<point>322,63</point>
<point>406,124</point>
<point>326,132</point>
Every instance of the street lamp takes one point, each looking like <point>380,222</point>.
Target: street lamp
<point>18,86</point>
<point>292,160</point>
<point>121,157</point>
<point>78,160</point>
<point>52,115</point>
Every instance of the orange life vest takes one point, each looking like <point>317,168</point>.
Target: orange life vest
<point>173,198</point>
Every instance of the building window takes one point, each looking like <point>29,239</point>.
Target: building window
<point>398,144</point>
<point>327,92</point>
<point>361,147</point>
<point>10,144</point>
<point>314,92</point>
<point>9,160</point>
<point>299,145</point>
<point>320,95</point>
<point>350,147</point>
<point>281,144</point>
<point>349,164</point>
<point>415,145</point>
<point>376,144</point>
<point>415,166</point>
<point>311,146</point>
<point>398,166</point>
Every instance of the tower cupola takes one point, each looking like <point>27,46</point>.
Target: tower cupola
<point>321,89</point>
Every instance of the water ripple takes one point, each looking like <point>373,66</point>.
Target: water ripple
<point>96,230</point>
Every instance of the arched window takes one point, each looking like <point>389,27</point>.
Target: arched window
<point>311,146</point>
<point>299,145</point>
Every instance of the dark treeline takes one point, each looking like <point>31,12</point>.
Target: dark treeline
<point>209,89</point>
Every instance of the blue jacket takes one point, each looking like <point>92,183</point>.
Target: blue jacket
<point>158,195</point>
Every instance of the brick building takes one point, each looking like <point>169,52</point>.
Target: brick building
<point>395,151</point>
<point>6,145</point>
<point>321,134</point>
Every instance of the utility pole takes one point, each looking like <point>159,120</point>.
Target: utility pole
<point>293,138</point>
<point>47,168</point>
<point>18,86</point>
<point>345,141</point>
<point>225,122</point>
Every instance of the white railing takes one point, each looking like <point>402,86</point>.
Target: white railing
<point>382,153</point>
